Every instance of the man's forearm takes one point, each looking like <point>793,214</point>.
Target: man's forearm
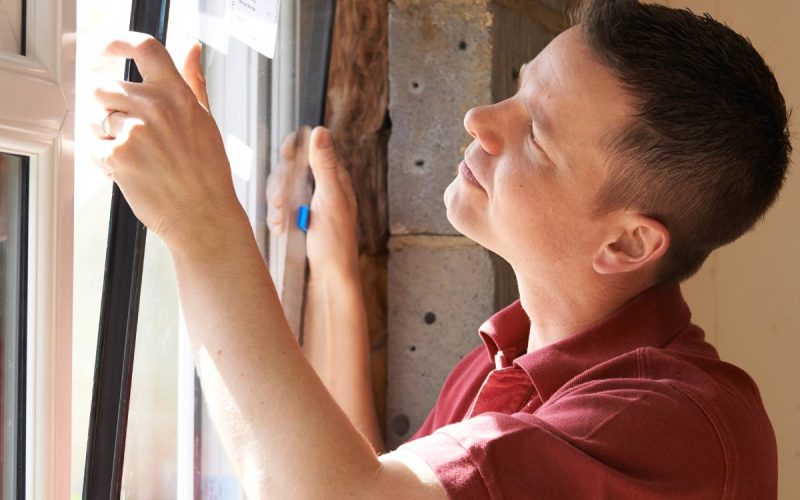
<point>278,423</point>
<point>336,343</point>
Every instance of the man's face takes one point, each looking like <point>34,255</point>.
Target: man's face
<point>537,162</point>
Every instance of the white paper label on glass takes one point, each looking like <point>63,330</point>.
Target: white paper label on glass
<point>254,22</point>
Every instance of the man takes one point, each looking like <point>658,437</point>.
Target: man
<point>640,140</point>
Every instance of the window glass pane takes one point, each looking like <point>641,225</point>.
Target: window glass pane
<point>150,468</point>
<point>11,30</point>
<point>172,448</point>
<point>13,291</point>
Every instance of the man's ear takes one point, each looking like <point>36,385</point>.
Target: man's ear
<point>642,242</point>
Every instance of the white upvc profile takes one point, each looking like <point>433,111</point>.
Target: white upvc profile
<point>36,120</point>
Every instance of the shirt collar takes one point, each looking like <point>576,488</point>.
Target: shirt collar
<point>651,319</point>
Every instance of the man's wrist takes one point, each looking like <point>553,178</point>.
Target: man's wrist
<point>341,275</point>
<point>208,229</point>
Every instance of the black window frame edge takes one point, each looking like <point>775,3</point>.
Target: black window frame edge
<point>22,330</point>
<point>23,31</point>
<point>314,91</point>
<point>122,284</point>
<point>314,83</point>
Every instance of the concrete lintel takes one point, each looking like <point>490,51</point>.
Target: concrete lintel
<point>397,243</point>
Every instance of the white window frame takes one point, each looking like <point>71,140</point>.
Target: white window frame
<point>37,95</point>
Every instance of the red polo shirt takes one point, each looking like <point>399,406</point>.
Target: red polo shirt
<point>636,406</point>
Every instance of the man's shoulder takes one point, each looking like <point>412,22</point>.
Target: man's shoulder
<point>684,392</point>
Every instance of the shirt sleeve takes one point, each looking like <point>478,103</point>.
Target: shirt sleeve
<point>599,440</point>
<point>457,393</point>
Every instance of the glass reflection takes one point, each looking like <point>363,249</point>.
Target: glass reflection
<point>11,29</point>
<point>12,320</point>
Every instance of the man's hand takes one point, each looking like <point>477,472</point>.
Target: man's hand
<point>161,145</point>
<point>332,242</point>
<point>336,337</point>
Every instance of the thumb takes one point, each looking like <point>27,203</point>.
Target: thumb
<point>322,158</point>
<point>193,74</point>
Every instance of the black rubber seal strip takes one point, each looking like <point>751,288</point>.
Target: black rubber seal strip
<point>314,85</point>
<point>105,450</point>
<point>22,330</point>
<point>314,88</point>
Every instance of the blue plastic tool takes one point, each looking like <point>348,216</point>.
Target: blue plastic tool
<point>303,217</point>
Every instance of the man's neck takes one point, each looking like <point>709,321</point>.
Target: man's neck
<point>558,311</point>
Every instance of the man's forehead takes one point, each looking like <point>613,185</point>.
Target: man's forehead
<point>566,49</point>
<point>576,100</point>
<point>541,78</point>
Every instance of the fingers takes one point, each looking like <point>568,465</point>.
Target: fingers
<point>276,206</point>
<point>112,149</point>
<point>192,73</point>
<point>276,222</point>
<point>151,57</point>
<point>288,147</point>
<point>322,159</point>
<point>110,126</point>
<point>278,189</point>
<point>347,185</point>
<point>103,155</point>
<point>114,95</point>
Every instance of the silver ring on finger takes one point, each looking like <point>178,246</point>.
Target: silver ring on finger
<point>105,123</point>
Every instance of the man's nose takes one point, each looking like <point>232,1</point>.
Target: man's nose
<point>482,123</point>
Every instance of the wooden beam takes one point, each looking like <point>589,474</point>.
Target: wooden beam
<point>550,18</point>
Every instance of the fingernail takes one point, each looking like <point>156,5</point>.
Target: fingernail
<point>325,140</point>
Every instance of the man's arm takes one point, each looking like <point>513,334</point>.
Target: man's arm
<point>279,424</point>
<point>336,339</point>
<point>336,343</point>
<point>283,431</point>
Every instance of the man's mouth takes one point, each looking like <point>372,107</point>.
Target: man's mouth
<point>465,172</point>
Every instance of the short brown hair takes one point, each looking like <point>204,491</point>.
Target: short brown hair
<point>708,151</point>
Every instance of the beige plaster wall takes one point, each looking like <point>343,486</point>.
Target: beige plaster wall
<point>747,296</point>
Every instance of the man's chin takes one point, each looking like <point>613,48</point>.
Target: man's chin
<point>465,215</point>
<point>452,205</point>
<point>463,222</point>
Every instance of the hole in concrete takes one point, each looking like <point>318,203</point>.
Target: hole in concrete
<point>417,87</point>
<point>400,425</point>
<point>430,318</point>
<point>462,45</point>
<point>412,348</point>
<point>419,163</point>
